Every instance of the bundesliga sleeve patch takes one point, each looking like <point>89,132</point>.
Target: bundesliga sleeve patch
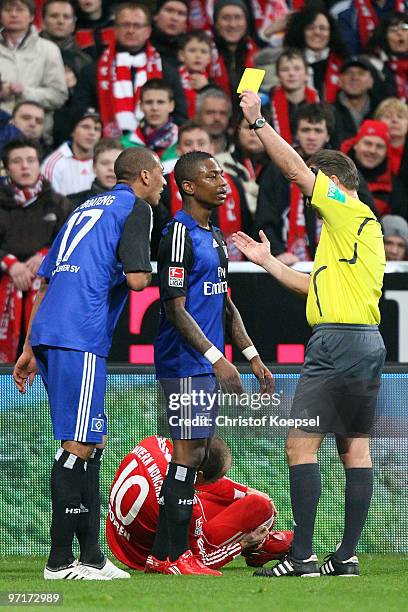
<point>176,277</point>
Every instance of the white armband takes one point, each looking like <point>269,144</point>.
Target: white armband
<point>213,354</point>
<point>250,352</point>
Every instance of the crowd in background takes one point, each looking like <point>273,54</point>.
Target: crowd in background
<point>81,81</point>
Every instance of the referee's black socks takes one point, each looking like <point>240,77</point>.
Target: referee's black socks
<point>67,481</point>
<point>88,525</point>
<point>178,497</point>
<point>305,494</point>
<point>359,491</point>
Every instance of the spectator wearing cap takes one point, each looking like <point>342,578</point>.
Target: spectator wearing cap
<point>58,25</point>
<point>395,230</point>
<point>354,101</point>
<point>316,33</point>
<point>234,50</point>
<point>394,113</point>
<point>113,84</point>
<point>94,26</point>
<point>106,153</point>
<point>71,165</point>
<point>31,68</point>
<point>370,150</point>
<point>169,24</point>
<point>31,214</point>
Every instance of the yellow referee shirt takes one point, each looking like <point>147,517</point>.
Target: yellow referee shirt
<point>348,269</point>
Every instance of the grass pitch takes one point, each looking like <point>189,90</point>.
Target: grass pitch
<point>382,586</point>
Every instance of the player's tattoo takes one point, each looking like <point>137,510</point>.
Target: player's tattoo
<point>235,326</point>
<point>186,325</point>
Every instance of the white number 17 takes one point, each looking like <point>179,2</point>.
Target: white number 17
<point>76,219</point>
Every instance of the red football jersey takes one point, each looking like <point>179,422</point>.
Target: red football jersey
<point>134,510</point>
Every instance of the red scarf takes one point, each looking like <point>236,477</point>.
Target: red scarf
<point>86,38</point>
<point>26,195</point>
<point>189,92</point>
<point>218,69</point>
<point>268,11</point>
<point>229,214</point>
<point>280,110</point>
<point>15,307</point>
<point>297,237</point>
<point>395,155</point>
<point>119,97</point>
<point>200,15</point>
<point>399,66</point>
<point>368,19</point>
<point>331,79</point>
<point>156,139</point>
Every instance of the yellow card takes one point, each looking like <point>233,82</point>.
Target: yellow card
<point>251,79</point>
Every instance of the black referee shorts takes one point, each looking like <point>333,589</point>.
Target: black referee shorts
<point>340,379</point>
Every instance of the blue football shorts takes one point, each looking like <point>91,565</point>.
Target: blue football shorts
<point>76,383</point>
<point>192,406</point>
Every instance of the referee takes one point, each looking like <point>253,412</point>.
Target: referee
<point>341,374</point>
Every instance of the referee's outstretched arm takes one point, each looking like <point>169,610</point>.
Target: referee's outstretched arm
<point>281,153</point>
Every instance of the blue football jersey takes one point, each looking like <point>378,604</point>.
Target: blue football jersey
<point>103,239</point>
<point>192,262</point>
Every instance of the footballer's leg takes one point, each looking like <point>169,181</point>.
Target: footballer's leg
<point>177,494</point>
<point>304,479</point>
<point>355,456</point>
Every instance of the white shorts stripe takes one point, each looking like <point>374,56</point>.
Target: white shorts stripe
<point>91,388</point>
<point>81,396</point>
<point>85,398</point>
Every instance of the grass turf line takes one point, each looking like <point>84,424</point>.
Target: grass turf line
<point>383,586</point>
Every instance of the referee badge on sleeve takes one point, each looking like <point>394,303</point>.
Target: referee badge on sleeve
<point>176,277</point>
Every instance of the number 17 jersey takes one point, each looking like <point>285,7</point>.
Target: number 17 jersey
<point>104,238</point>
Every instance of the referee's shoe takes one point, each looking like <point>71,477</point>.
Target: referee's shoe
<point>289,566</point>
<point>335,567</point>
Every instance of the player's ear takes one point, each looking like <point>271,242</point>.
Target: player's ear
<point>188,187</point>
<point>335,179</point>
<point>145,177</point>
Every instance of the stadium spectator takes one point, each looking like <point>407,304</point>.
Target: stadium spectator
<point>223,510</point>
<point>62,127</point>
<point>292,228</point>
<point>354,101</point>
<point>58,26</point>
<point>31,214</point>
<point>106,153</point>
<point>113,83</point>
<point>214,111</point>
<point>31,68</point>
<point>395,230</point>
<point>394,113</point>
<point>271,18</point>
<point>291,92</point>
<point>71,165</point>
<point>156,130</point>
<point>29,118</point>
<point>169,23</point>
<point>233,213</point>
<point>94,27</point>
<point>316,33</point>
<point>370,150</point>
<point>245,161</point>
<point>8,131</point>
<point>388,51</point>
<point>358,18</point>
<point>234,50</point>
<point>194,56</point>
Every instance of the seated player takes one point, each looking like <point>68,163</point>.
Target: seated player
<point>228,518</point>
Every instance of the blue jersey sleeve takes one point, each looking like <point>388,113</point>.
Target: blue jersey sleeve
<point>175,260</point>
